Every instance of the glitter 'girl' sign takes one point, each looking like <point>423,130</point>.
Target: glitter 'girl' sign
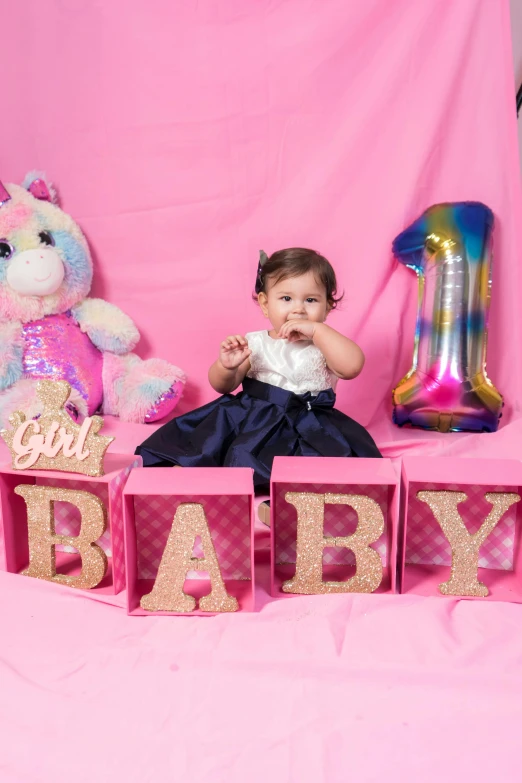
<point>55,441</point>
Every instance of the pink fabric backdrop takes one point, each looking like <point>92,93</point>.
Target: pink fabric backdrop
<point>185,136</point>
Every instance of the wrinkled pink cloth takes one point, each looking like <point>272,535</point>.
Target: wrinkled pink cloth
<point>184,137</point>
<point>323,688</point>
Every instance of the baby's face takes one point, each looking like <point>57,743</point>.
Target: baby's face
<point>294,297</point>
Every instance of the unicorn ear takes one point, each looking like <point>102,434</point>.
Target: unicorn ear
<point>37,183</point>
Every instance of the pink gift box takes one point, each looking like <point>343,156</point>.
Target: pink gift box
<point>151,498</point>
<point>14,551</point>
<point>374,478</point>
<point>425,552</point>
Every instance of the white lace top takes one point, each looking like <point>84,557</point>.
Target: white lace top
<point>298,367</point>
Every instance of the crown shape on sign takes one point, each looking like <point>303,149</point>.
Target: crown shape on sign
<point>54,441</point>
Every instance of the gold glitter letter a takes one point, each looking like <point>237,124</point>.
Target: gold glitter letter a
<point>42,539</point>
<point>167,594</point>
<point>311,541</point>
<point>465,547</point>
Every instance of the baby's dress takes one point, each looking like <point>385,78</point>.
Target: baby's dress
<point>286,409</point>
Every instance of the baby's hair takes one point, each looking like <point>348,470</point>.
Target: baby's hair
<point>294,262</point>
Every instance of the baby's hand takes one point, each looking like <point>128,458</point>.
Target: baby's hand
<point>233,352</point>
<point>297,329</point>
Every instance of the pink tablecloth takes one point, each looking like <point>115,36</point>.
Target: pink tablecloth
<point>323,689</point>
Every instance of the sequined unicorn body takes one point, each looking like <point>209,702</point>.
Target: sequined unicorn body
<point>81,364</point>
<point>50,328</point>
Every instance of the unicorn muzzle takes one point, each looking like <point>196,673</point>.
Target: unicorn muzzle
<point>37,272</point>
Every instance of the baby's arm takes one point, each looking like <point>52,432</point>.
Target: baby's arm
<point>228,371</point>
<point>343,357</point>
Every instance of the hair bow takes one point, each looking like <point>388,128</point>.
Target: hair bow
<point>263,258</point>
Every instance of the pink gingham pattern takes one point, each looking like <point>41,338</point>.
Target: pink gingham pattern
<point>228,520</point>
<point>338,521</point>
<point>68,518</point>
<point>426,544</point>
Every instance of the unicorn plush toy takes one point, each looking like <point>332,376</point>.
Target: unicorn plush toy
<point>51,329</point>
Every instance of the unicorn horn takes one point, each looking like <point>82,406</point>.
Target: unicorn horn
<point>4,195</point>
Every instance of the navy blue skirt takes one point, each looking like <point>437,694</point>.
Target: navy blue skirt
<point>249,429</point>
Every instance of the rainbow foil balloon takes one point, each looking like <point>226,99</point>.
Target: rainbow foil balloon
<point>447,388</point>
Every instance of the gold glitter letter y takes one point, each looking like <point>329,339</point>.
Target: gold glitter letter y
<point>464,546</point>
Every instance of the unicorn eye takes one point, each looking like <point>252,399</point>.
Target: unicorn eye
<point>6,250</point>
<point>46,238</point>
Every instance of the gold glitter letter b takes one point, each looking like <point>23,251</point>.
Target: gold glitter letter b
<point>311,542</point>
<point>43,540</point>
<point>465,547</point>
<point>167,594</point>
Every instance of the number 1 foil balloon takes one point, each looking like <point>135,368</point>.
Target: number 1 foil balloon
<point>447,388</point>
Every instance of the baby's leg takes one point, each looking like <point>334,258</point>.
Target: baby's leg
<point>263,512</point>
